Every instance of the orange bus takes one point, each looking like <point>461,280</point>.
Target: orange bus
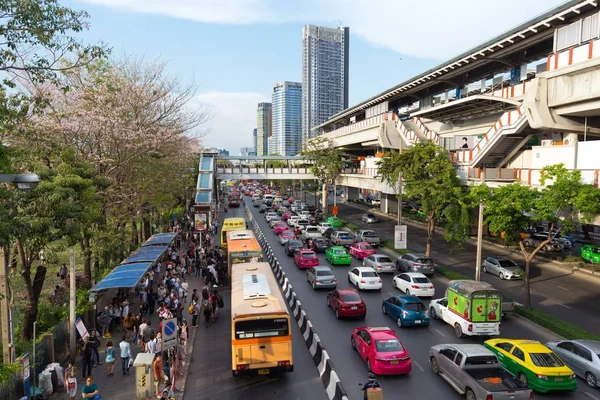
<point>242,247</point>
<point>261,334</point>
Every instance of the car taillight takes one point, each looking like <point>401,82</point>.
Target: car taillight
<point>405,313</point>
<point>572,376</point>
<point>531,395</point>
<point>317,281</point>
<point>427,313</point>
<point>470,328</point>
<point>335,279</point>
<point>540,376</point>
<point>380,281</point>
<point>363,282</point>
<point>414,287</point>
<point>431,287</point>
<point>283,363</point>
<point>489,397</point>
<point>242,367</point>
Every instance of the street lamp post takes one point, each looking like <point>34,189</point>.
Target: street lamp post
<point>23,182</point>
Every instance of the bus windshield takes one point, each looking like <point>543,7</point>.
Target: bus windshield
<point>258,328</point>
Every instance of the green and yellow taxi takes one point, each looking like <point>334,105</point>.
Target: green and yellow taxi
<point>338,255</point>
<point>590,253</point>
<point>334,221</point>
<point>534,364</point>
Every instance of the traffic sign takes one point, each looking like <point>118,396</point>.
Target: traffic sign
<point>400,237</point>
<point>169,333</point>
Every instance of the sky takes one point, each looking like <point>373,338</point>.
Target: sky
<point>234,50</point>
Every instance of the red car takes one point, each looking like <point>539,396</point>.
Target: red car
<point>347,303</point>
<point>280,227</point>
<point>286,215</point>
<point>285,236</point>
<point>382,351</point>
<point>361,250</point>
<point>305,259</point>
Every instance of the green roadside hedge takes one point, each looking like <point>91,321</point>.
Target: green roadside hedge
<point>557,326</point>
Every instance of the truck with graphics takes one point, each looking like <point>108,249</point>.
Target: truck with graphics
<point>473,308</point>
<point>235,198</point>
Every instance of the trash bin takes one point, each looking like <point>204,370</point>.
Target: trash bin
<point>144,378</point>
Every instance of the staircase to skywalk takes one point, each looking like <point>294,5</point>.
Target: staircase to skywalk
<point>205,184</point>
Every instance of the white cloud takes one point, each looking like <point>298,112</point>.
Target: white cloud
<point>436,29</point>
<point>234,118</point>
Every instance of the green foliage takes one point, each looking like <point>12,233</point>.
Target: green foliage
<point>326,159</point>
<point>8,371</point>
<point>556,325</point>
<point>450,273</point>
<point>390,245</point>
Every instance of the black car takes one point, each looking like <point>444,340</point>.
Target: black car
<point>319,245</point>
<point>262,208</point>
<point>329,232</point>
<point>292,245</point>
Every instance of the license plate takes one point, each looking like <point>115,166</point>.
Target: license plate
<point>263,372</point>
<point>373,282</point>
<point>394,362</point>
<point>558,379</point>
<point>326,282</point>
<point>417,321</point>
<point>354,308</point>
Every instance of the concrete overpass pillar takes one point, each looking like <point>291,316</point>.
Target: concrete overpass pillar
<point>389,203</point>
<point>351,193</point>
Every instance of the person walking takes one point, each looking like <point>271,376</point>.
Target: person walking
<point>87,358</point>
<point>125,348</point>
<point>95,341</point>
<point>195,314</point>
<point>109,358</point>
<point>90,389</point>
<point>70,380</point>
<point>157,369</point>
<point>128,322</point>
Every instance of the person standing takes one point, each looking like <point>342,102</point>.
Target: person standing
<point>109,358</point>
<point>125,355</point>
<point>195,314</point>
<point>95,340</point>
<point>90,389</point>
<point>157,368</point>
<point>87,358</point>
<point>128,322</point>
<point>70,381</point>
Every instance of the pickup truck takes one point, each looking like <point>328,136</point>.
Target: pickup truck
<point>473,370</point>
<point>368,236</point>
<point>341,238</point>
<point>310,232</point>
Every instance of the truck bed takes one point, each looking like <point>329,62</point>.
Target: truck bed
<point>486,378</point>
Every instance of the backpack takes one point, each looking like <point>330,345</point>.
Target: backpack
<point>191,309</point>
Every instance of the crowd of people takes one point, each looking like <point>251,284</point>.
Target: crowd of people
<point>164,292</point>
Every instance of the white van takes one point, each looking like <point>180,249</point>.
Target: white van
<point>268,198</point>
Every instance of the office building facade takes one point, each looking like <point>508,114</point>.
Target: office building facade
<point>286,100</point>
<point>325,54</point>
<point>263,128</point>
<point>254,138</point>
<point>247,151</point>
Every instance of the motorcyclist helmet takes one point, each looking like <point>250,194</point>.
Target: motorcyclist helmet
<point>371,376</point>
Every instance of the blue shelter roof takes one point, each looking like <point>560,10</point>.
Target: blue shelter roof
<point>123,276</point>
<point>160,239</point>
<point>148,254</point>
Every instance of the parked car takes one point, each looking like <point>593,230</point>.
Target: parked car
<point>534,364</point>
<point>342,238</point>
<point>335,222</point>
<point>582,356</point>
<point>406,310</point>
<point>382,351</point>
<point>305,258</point>
<point>414,283</point>
<point>416,262</point>
<point>286,236</point>
<point>503,267</point>
<point>380,263</point>
<point>475,371</point>
<point>346,303</point>
<point>292,245</point>
<point>535,239</point>
<point>590,253</point>
<point>338,255</point>
<point>321,277</point>
<point>361,250</point>
<point>375,202</point>
<point>369,236</point>
<point>556,237</point>
<point>365,278</point>
<point>319,245</point>
<point>369,218</point>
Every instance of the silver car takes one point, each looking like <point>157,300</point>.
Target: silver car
<point>582,356</point>
<point>321,277</point>
<point>503,267</point>
<point>414,262</point>
<point>380,263</point>
<point>274,220</point>
<point>369,218</point>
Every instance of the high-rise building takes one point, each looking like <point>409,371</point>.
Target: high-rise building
<point>324,74</point>
<point>247,151</point>
<point>254,138</point>
<point>263,128</point>
<point>286,99</point>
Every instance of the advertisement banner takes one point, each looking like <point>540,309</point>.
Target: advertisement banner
<point>200,221</point>
<point>83,332</point>
<point>26,375</point>
<point>400,237</point>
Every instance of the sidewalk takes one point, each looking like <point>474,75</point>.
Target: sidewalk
<point>119,387</point>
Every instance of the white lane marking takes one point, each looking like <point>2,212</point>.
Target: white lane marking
<point>440,332</point>
<point>591,396</point>
<point>561,287</point>
<point>418,365</point>
<point>558,303</point>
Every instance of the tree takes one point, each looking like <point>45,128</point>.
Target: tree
<point>562,200</point>
<point>428,175</point>
<point>326,163</point>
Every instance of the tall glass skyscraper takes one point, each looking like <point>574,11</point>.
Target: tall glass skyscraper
<point>286,119</point>
<point>263,128</point>
<point>254,138</point>
<point>324,74</point>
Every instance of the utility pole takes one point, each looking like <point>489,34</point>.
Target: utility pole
<point>72,303</point>
<point>6,348</point>
<point>479,234</point>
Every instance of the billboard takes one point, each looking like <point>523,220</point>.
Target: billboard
<point>200,221</point>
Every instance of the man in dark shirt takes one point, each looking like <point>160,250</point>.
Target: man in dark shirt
<point>87,357</point>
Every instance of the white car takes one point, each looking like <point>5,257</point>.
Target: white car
<point>323,226</point>
<point>292,220</point>
<point>274,220</point>
<point>414,283</point>
<point>365,278</point>
<point>270,216</point>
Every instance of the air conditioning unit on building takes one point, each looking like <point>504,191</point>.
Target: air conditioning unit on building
<point>569,141</point>
<point>547,143</point>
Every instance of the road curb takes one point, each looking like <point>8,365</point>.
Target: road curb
<point>330,379</point>
<point>188,361</point>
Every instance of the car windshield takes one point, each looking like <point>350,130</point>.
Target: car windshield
<point>370,216</point>
<point>324,273</point>
<point>309,255</point>
<point>367,233</point>
<point>421,280</point>
<point>347,297</point>
<point>369,274</point>
<point>388,345</point>
<point>546,360</point>
<point>414,306</point>
<point>295,243</point>
<point>595,250</point>
<point>507,264</point>
<point>340,252</point>
<point>384,260</point>
<point>366,247</point>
